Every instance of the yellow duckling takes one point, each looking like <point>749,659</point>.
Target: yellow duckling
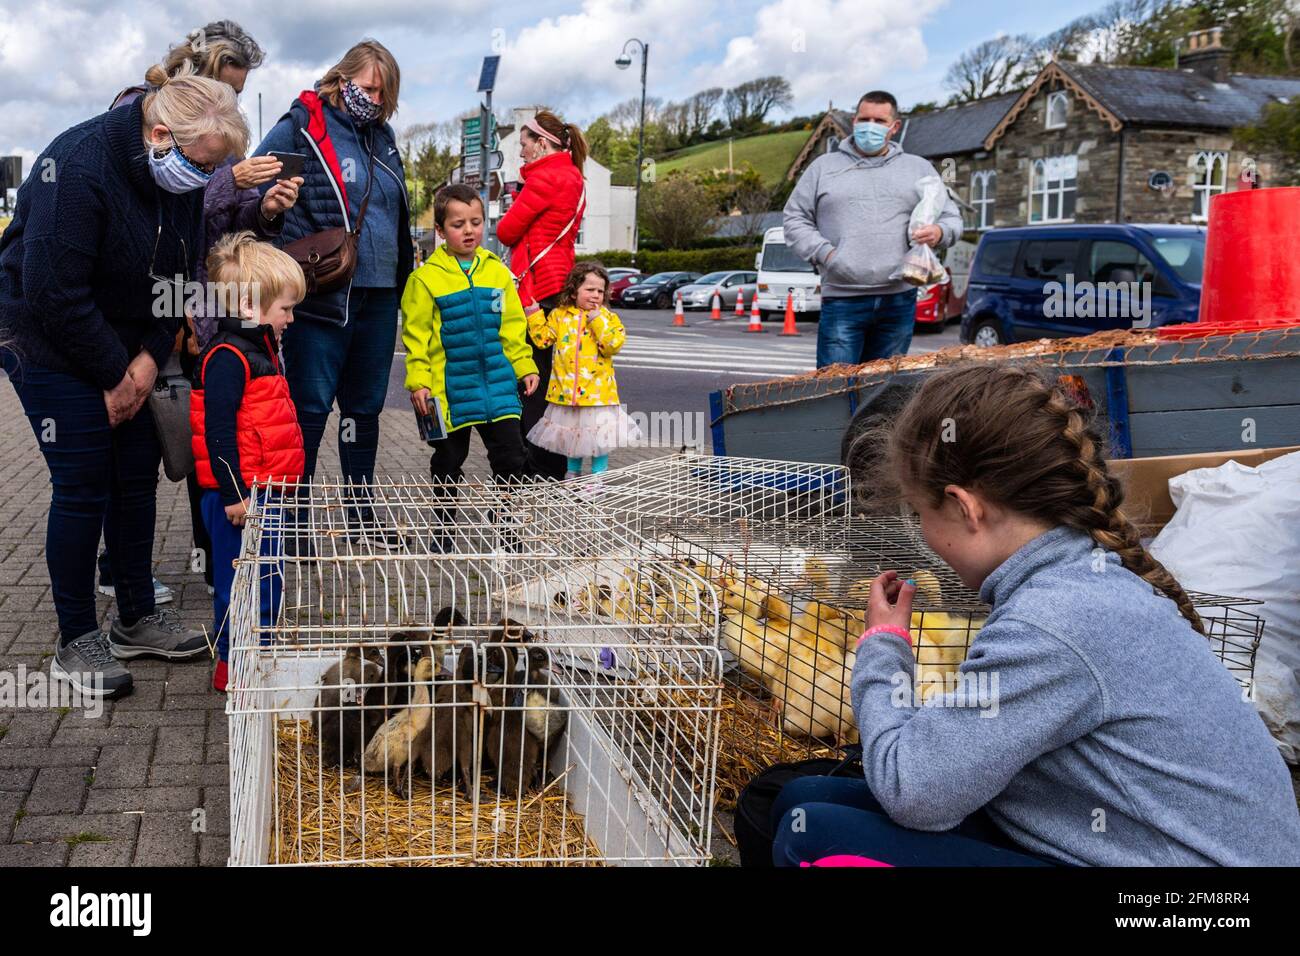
<point>760,648</point>
<point>811,688</point>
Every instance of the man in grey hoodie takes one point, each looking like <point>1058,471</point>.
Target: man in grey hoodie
<point>849,216</point>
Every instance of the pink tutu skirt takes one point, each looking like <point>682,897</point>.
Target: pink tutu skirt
<point>584,431</point>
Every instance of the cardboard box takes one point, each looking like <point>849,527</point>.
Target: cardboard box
<point>1146,480</point>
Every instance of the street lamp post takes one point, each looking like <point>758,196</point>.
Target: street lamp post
<point>623,62</point>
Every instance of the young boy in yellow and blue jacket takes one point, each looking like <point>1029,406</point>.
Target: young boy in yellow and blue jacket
<point>466,342</point>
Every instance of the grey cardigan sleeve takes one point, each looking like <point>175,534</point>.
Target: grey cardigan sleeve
<point>1023,693</point>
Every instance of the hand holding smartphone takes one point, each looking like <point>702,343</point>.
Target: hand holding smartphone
<point>292,164</point>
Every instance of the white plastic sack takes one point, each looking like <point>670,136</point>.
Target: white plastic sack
<point>920,265</point>
<point>1237,532</point>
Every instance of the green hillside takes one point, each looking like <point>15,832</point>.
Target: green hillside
<point>769,153</point>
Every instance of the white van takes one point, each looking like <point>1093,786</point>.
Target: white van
<point>780,272</point>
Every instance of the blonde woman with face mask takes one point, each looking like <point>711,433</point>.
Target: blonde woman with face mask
<point>107,230</point>
<point>231,203</point>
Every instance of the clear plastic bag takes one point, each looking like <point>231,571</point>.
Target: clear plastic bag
<point>921,266</point>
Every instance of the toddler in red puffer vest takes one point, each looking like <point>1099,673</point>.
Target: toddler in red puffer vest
<point>245,426</point>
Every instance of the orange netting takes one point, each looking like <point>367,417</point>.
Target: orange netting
<point>1111,347</point>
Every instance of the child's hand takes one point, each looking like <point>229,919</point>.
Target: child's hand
<point>420,399</point>
<point>237,512</point>
<point>530,384</point>
<point>890,601</point>
<point>593,314</point>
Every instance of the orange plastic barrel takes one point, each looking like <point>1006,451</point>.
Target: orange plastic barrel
<point>1251,279</point>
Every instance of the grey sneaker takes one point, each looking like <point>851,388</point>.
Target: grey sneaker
<point>160,634</point>
<point>162,594</point>
<point>85,663</point>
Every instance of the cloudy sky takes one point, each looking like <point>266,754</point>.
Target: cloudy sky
<point>63,60</point>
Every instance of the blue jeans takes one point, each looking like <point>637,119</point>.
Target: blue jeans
<point>858,328</point>
<point>104,480</point>
<point>226,541</point>
<point>350,363</point>
<point>818,817</point>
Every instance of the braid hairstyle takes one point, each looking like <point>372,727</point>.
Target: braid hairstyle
<point>1021,441</point>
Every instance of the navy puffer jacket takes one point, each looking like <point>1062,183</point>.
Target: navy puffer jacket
<point>321,199</point>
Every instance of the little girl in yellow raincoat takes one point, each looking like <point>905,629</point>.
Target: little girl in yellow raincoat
<point>583,416</point>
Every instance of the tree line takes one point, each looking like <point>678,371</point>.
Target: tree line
<point>1262,35</point>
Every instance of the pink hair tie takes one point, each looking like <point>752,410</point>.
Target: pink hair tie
<point>536,127</point>
<point>845,859</point>
<point>884,629</point>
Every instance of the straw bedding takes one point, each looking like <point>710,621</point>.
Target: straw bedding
<point>318,820</point>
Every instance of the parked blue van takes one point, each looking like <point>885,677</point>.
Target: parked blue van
<point>1034,282</point>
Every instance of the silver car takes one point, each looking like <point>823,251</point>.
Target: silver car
<point>729,284</point>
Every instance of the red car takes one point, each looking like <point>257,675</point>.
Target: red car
<point>936,306</point>
<point>619,282</point>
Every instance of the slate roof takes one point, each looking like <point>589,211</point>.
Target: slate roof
<point>956,129</point>
<point>1153,96</point>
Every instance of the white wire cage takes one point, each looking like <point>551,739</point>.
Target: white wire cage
<point>689,486</point>
<point>794,598</point>
<point>378,663</point>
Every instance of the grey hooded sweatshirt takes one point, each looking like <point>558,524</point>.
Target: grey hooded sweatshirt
<point>860,206</point>
<point>1103,731</point>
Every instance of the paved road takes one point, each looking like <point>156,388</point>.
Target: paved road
<point>663,368</point>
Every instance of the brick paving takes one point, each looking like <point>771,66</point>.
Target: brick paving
<point>146,782</point>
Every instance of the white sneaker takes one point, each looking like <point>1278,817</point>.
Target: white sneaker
<point>162,594</point>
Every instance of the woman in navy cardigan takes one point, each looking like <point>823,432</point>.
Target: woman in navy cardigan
<point>108,223</point>
<point>222,51</point>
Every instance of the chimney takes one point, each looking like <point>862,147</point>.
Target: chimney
<point>1207,55</point>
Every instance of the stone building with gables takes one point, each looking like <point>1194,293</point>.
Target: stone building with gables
<point>1093,142</point>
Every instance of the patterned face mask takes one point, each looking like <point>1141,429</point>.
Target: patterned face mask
<point>359,104</point>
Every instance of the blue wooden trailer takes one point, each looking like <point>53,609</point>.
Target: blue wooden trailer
<point>1157,397</point>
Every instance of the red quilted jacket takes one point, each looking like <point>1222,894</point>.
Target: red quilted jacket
<point>267,432</point>
<point>547,203</point>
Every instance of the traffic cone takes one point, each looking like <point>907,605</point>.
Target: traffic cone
<point>740,303</point>
<point>755,317</point>
<point>716,313</point>
<point>789,328</point>
<point>679,315</point>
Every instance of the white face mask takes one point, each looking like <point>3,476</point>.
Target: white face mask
<point>173,172</point>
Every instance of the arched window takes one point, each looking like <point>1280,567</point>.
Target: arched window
<point>1058,108</point>
<point>1053,185</point>
<point>1209,178</point>
<point>983,190</point>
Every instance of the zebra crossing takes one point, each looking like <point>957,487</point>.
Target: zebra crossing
<point>684,350</point>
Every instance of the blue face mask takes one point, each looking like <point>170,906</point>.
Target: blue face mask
<point>174,173</point>
<point>869,137</point>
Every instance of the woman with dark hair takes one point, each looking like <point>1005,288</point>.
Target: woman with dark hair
<point>541,227</point>
<point>87,271</point>
<point>342,347</point>
<point>231,203</point>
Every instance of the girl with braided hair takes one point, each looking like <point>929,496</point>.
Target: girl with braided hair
<point>1091,723</point>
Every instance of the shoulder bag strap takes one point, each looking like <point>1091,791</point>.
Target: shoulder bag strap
<point>582,205</point>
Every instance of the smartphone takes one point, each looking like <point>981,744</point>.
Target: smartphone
<point>431,426</point>
<point>292,162</point>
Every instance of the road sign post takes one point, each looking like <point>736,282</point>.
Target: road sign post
<point>487,129</point>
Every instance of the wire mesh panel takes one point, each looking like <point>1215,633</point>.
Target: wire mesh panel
<point>481,692</point>
<point>794,598</point>
<point>695,487</point>
<point>1234,631</point>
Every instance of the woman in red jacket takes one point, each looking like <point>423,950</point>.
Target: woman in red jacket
<point>541,229</point>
